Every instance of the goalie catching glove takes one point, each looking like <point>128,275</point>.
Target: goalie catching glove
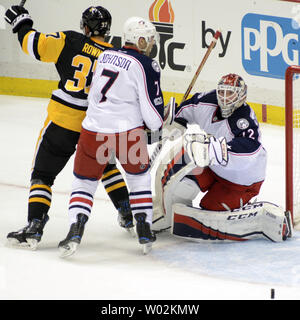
<point>206,150</point>
<point>17,16</point>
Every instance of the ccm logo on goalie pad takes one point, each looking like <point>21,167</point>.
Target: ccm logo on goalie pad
<point>250,206</point>
<point>242,216</point>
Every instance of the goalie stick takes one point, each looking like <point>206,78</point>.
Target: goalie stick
<point>202,63</point>
<point>161,143</point>
<point>22,3</point>
<point>170,112</point>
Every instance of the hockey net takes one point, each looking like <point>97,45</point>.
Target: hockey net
<point>292,141</point>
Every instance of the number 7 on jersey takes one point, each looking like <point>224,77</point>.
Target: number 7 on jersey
<point>112,76</point>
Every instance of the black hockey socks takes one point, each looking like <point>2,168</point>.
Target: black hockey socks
<point>39,201</point>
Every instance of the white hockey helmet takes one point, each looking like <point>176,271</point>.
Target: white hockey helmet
<point>231,93</point>
<point>136,28</point>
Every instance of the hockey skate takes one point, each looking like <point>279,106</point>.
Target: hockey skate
<point>69,245</point>
<point>143,230</point>
<point>30,235</point>
<point>125,217</point>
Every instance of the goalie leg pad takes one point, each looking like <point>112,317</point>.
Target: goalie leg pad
<point>276,223</point>
<point>167,175</point>
<point>186,189</point>
<point>258,220</point>
<point>183,192</point>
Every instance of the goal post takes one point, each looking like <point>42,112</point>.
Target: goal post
<point>292,141</point>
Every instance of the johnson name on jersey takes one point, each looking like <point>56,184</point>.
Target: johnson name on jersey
<point>125,93</point>
<point>75,58</point>
<point>247,157</point>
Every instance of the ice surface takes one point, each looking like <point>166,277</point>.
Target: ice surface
<point>109,263</point>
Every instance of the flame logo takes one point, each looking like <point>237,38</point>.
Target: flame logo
<point>161,11</point>
<point>162,16</point>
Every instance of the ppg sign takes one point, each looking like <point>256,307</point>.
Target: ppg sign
<point>269,45</point>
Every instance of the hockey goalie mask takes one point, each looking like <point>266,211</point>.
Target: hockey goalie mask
<point>136,28</point>
<point>231,93</point>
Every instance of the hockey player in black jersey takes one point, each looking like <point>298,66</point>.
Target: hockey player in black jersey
<point>75,56</point>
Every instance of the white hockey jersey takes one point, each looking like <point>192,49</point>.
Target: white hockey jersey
<point>125,93</point>
<point>247,157</point>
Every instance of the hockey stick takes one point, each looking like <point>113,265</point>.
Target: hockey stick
<point>168,118</point>
<point>22,3</point>
<point>209,49</point>
<point>160,144</point>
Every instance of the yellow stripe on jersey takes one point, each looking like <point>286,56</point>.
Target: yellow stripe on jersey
<point>25,42</point>
<point>64,116</point>
<point>115,186</point>
<point>50,46</point>
<point>46,123</point>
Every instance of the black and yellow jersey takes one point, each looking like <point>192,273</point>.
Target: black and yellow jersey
<point>75,57</point>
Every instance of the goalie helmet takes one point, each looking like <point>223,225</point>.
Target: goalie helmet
<point>231,93</point>
<point>136,28</point>
<point>97,19</point>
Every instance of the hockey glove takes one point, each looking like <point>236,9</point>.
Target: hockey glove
<point>174,131</point>
<point>172,128</point>
<point>206,150</point>
<point>17,16</point>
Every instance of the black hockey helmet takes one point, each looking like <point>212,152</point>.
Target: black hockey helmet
<point>98,20</point>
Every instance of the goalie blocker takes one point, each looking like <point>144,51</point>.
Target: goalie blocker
<point>173,210</point>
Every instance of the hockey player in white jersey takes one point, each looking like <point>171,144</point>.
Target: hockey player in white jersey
<point>226,162</point>
<point>125,98</point>
<point>71,53</point>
